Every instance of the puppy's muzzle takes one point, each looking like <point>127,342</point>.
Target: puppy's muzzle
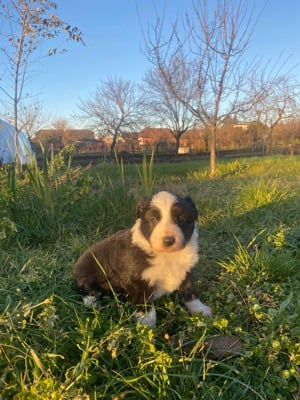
<point>168,241</point>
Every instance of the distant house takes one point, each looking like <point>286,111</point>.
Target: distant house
<point>84,139</point>
<point>90,146</point>
<point>160,138</point>
<point>128,141</point>
<point>244,126</point>
<point>193,141</point>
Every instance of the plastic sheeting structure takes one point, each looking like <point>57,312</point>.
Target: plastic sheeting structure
<point>7,146</point>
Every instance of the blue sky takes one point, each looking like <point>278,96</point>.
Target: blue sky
<point>113,43</point>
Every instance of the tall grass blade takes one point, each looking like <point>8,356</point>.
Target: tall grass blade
<point>146,175</point>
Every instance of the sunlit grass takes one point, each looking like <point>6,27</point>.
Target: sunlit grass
<point>52,347</point>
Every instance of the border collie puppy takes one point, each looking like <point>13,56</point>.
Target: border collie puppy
<point>153,258</point>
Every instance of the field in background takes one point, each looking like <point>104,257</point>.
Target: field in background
<point>51,347</point>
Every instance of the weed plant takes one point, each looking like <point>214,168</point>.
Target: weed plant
<point>52,347</point>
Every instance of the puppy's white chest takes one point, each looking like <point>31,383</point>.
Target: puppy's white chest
<point>168,271</point>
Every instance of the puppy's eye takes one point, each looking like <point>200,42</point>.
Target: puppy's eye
<point>181,220</point>
<point>153,220</point>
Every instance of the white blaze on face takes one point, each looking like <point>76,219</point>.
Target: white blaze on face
<point>166,228</point>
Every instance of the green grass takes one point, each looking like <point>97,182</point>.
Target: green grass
<point>52,347</point>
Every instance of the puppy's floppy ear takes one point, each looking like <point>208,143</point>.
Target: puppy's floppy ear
<point>189,200</point>
<point>142,206</point>
<point>192,205</point>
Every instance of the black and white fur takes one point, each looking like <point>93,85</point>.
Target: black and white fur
<point>153,258</point>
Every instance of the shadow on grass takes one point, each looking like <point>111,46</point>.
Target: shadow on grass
<point>274,228</point>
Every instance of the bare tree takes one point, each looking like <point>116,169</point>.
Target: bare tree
<point>276,101</point>
<point>292,133</point>
<point>214,44</point>
<point>31,118</point>
<point>115,107</point>
<point>168,111</point>
<point>25,25</point>
<point>61,123</point>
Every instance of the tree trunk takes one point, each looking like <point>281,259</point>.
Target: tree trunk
<point>213,151</point>
<point>269,141</point>
<point>16,140</point>
<point>113,144</point>
<point>177,143</point>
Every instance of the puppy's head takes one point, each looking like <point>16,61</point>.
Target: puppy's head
<point>167,221</point>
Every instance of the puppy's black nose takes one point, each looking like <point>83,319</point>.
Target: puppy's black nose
<point>169,241</point>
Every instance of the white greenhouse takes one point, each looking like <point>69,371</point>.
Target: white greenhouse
<point>7,147</point>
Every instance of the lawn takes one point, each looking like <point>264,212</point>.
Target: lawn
<point>52,347</point>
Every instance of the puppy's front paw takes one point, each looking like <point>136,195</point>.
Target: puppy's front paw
<point>146,318</point>
<point>196,307</point>
<point>90,301</point>
<point>206,311</point>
